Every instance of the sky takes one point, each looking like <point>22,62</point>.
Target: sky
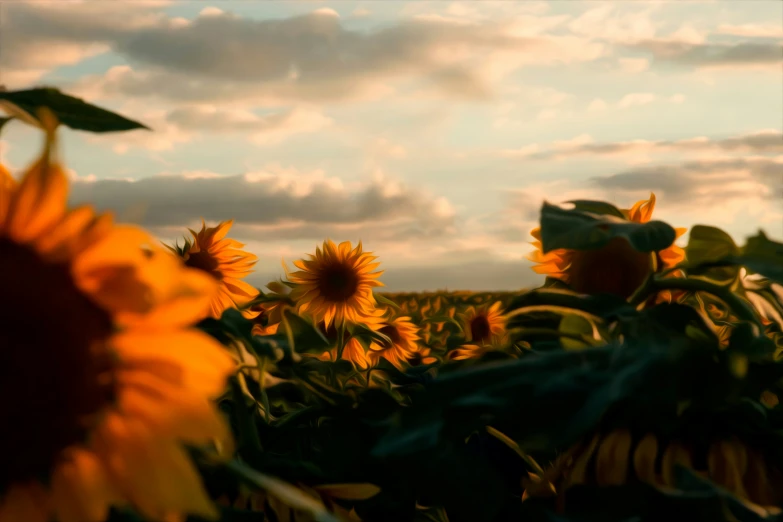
<point>431,131</point>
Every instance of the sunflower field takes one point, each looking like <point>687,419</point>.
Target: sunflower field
<point>151,382</point>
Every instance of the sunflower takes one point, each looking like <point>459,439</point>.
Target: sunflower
<point>222,258</point>
<point>404,345</point>
<point>269,314</point>
<point>616,268</point>
<point>354,352</point>
<point>336,284</point>
<point>483,325</point>
<point>103,381</point>
<point>619,457</point>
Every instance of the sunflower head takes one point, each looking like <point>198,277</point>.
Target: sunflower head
<point>224,260</point>
<point>616,268</point>
<point>115,378</point>
<point>484,324</point>
<point>336,284</point>
<point>404,337</point>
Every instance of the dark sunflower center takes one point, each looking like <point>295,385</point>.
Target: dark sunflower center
<point>338,282</point>
<point>55,371</point>
<point>204,261</point>
<point>479,328</point>
<point>392,333</point>
<point>617,269</point>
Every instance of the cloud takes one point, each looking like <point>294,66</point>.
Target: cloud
<point>41,36</point>
<point>597,105</point>
<point>634,65</point>
<point>762,142</point>
<point>636,99</point>
<point>712,55</point>
<point>275,203</point>
<point>705,183</point>
<point>314,57</point>
<point>263,130</point>
<point>752,30</point>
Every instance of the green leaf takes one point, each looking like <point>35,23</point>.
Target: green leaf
<point>361,332</point>
<point>602,305</point>
<point>288,494</point>
<point>577,325</point>
<point>303,337</point>
<point>576,230</point>
<point>764,256</point>
<point>597,207</point>
<point>382,299</point>
<point>707,244</point>
<point>70,111</point>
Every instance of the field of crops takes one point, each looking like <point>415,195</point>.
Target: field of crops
<point>148,382</point>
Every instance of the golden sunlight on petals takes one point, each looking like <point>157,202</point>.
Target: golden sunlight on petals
<point>7,185</point>
<point>170,410</point>
<point>210,252</point>
<point>26,503</point>
<point>81,452</point>
<point>335,285</point>
<point>81,490</point>
<point>157,475</point>
<point>39,201</point>
<point>206,364</point>
<point>179,302</point>
<point>122,247</point>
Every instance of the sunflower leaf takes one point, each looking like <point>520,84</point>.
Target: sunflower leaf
<point>386,301</point>
<point>606,306</point>
<point>360,331</point>
<point>707,244</point>
<point>576,325</point>
<point>597,207</point>
<point>576,230</point>
<point>764,256</point>
<point>70,111</point>
<point>306,337</point>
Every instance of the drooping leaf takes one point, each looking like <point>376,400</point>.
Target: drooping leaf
<point>576,325</point>
<point>70,111</point>
<point>597,207</point>
<point>577,230</point>
<point>302,335</point>
<point>382,299</point>
<point>764,256</point>
<point>707,244</point>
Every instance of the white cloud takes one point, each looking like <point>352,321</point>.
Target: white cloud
<point>597,105</point>
<point>634,65</point>
<point>637,99</point>
<point>767,30</point>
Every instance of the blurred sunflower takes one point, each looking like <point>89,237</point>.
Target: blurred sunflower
<point>222,258</point>
<point>102,381</point>
<point>619,457</point>
<point>483,325</point>
<point>269,314</point>
<point>468,351</point>
<point>354,352</point>
<point>405,339</point>
<point>617,268</point>
<point>336,284</point>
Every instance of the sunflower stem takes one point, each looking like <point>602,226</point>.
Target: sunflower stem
<point>340,341</point>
